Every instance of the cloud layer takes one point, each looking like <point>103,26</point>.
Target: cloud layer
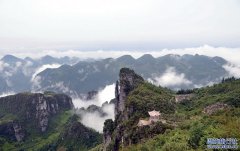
<point>7,94</point>
<point>94,119</point>
<point>44,67</point>
<point>105,94</point>
<point>170,78</point>
<point>231,54</point>
<point>233,70</point>
<point>158,22</point>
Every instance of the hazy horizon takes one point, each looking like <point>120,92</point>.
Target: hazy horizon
<point>118,25</point>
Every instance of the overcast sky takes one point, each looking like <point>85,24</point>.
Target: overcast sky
<point>118,24</point>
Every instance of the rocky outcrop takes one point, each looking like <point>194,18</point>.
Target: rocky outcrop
<point>35,109</point>
<point>47,105</point>
<point>214,108</point>
<point>128,81</point>
<point>107,132</point>
<point>12,130</point>
<point>18,131</point>
<point>134,99</point>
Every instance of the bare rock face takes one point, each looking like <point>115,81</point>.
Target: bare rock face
<point>107,133</point>
<point>12,130</point>
<point>25,108</point>
<point>47,105</point>
<point>43,106</point>
<point>214,108</point>
<point>19,132</point>
<point>42,113</point>
<point>128,80</point>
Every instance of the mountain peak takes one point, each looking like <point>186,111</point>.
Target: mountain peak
<point>47,56</point>
<point>146,56</point>
<point>126,58</point>
<point>128,80</point>
<point>10,58</point>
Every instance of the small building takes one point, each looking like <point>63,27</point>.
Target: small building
<point>154,117</point>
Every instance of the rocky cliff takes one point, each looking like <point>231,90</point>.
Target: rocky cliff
<point>24,111</point>
<point>128,80</point>
<point>133,99</point>
<point>12,130</point>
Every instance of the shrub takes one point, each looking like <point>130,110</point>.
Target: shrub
<point>196,133</point>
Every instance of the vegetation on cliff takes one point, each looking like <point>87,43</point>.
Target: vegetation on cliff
<point>133,101</point>
<point>211,112</point>
<point>194,126</point>
<point>39,122</point>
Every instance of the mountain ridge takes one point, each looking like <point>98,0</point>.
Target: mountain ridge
<point>198,69</point>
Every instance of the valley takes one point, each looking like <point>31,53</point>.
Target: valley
<point>49,121</point>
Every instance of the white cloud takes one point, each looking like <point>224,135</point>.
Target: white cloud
<point>12,69</point>
<point>165,21</point>
<point>95,120</point>
<point>233,70</point>
<point>79,103</point>
<point>105,94</point>
<point>18,64</point>
<point>171,78</point>
<point>36,83</point>
<point>36,79</point>
<point>211,83</point>
<point>3,65</point>
<point>61,87</point>
<point>8,74</point>
<point>7,94</point>
<point>27,70</point>
<point>44,67</point>
<point>8,70</point>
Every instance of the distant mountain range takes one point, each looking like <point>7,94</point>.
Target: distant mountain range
<point>76,77</point>
<point>187,71</point>
<point>16,74</point>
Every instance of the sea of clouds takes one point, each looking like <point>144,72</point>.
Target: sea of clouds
<point>230,54</point>
<point>169,78</point>
<point>94,119</point>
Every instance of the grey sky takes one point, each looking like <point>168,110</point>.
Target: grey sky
<point>118,24</point>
